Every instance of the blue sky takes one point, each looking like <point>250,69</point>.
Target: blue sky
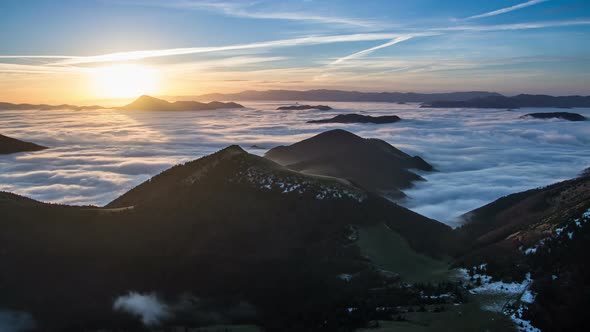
<point>510,46</point>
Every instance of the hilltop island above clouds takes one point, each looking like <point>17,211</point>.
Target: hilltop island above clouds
<point>522,100</point>
<point>13,145</point>
<point>371,163</point>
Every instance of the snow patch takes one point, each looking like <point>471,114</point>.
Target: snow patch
<point>268,180</point>
<point>527,297</point>
<point>522,324</point>
<point>345,277</point>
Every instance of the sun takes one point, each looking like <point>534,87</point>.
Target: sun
<point>124,81</point>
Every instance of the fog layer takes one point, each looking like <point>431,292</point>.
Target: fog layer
<point>480,155</point>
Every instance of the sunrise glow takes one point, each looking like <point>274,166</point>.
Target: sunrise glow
<point>124,81</point>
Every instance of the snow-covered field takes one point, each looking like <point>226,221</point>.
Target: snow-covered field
<point>480,154</point>
<point>497,296</point>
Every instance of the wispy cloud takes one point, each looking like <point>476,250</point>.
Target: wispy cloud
<point>372,49</point>
<point>145,54</point>
<point>36,69</point>
<point>516,26</point>
<point>247,9</point>
<point>16,56</point>
<point>506,9</point>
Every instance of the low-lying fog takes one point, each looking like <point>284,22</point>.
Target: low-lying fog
<point>480,154</point>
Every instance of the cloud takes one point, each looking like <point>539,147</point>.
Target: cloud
<point>147,307</point>
<point>481,155</point>
<point>506,9</point>
<point>372,49</point>
<point>515,26</point>
<point>245,9</point>
<point>152,311</point>
<point>16,321</point>
<point>146,54</point>
<point>74,64</point>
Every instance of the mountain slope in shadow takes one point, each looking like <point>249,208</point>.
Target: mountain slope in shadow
<point>230,230</point>
<point>543,233</point>
<point>371,163</point>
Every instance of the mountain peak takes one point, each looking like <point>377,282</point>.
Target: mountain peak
<point>149,103</point>
<point>371,163</point>
<point>232,150</point>
<point>147,98</point>
<point>335,134</point>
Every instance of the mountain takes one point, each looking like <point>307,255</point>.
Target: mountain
<point>371,163</point>
<point>350,96</point>
<point>522,100</point>
<point>304,107</point>
<point>147,103</point>
<point>358,118</point>
<point>45,107</point>
<point>543,234</point>
<point>143,103</point>
<point>524,218</point>
<point>12,145</point>
<point>556,115</point>
<point>228,238</point>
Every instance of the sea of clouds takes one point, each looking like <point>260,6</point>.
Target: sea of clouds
<point>480,154</point>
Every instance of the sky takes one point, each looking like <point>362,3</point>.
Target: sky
<point>101,50</point>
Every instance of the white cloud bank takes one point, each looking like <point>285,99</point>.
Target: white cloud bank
<point>481,154</point>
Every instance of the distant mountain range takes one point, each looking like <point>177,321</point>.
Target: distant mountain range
<point>522,100</point>
<point>470,99</point>
<point>142,103</point>
<point>350,96</point>
<point>148,103</point>
<point>13,145</point>
<point>371,163</point>
<point>45,107</point>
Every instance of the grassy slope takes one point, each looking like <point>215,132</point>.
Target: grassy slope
<point>389,251</point>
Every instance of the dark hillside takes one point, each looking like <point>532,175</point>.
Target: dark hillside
<point>228,228</point>
<point>12,145</point>
<point>373,164</point>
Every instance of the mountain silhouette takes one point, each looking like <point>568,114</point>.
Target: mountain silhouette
<point>371,163</point>
<point>349,96</point>
<point>358,118</point>
<point>12,145</point>
<point>229,230</point>
<point>148,103</point>
<point>522,100</point>
<point>556,115</point>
